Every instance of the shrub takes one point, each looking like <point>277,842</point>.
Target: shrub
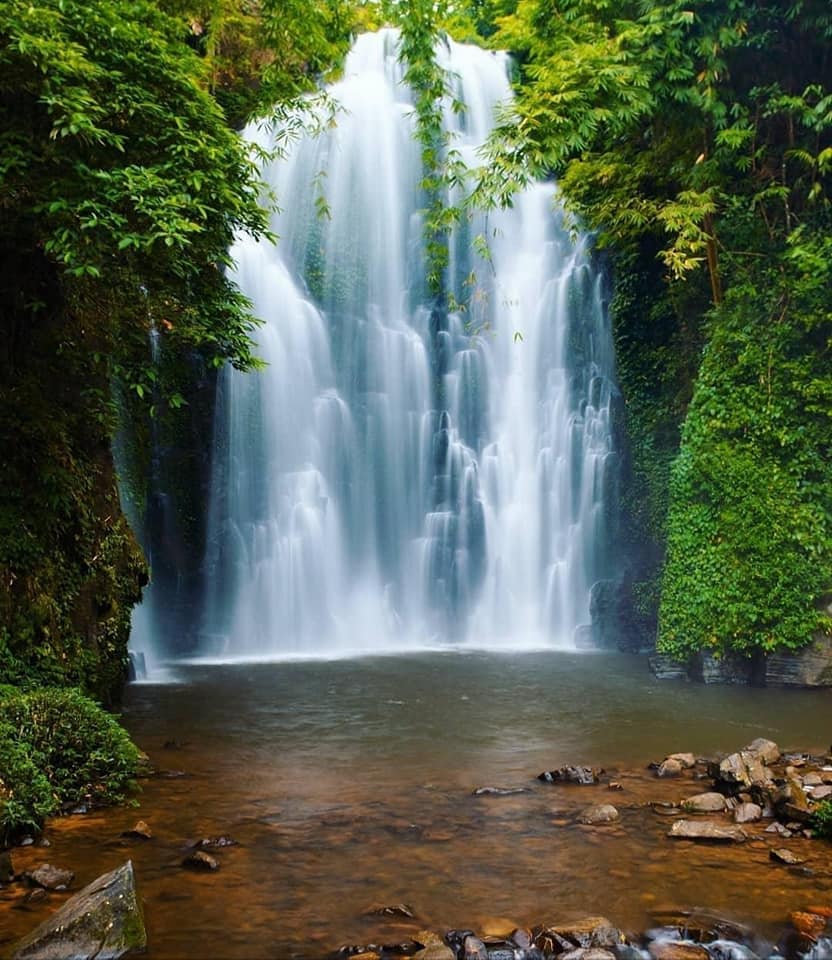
<point>822,820</point>
<point>58,747</point>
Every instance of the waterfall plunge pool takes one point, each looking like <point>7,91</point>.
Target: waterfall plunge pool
<point>349,783</point>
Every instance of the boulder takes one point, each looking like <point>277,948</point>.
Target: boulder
<point>670,768</point>
<point>585,933</point>
<point>748,813</point>
<point>739,771</point>
<point>688,760</point>
<point>704,803</point>
<point>582,776</point>
<point>600,813</point>
<point>809,667</point>
<point>765,750</point>
<point>104,921</point>
<point>707,831</point>
<point>49,877</point>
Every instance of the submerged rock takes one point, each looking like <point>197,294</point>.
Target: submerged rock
<point>670,767</point>
<point>582,776</point>
<point>672,950</point>
<point>390,910</point>
<point>199,860</point>
<point>499,791</point>
<point>49,877</point>
<point>104,921</point>
<point>600,813</point>
<point>707,831</point>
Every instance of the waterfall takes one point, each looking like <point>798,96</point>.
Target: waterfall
<point>400,475</point>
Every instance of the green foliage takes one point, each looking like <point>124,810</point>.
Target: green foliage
<point>822,820</point>
<point>750,527</point>
<point>58,747</point>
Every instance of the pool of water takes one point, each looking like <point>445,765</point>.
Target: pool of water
<point>349,784</point>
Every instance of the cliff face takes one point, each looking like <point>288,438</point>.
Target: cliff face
<point>70,567</point>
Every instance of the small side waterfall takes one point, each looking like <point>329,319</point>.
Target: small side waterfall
<point>400,475</point>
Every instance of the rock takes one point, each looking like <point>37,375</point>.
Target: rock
<point>583,776</point>
<point>216,843</point>
<point>141,831</point>
<point>614,785</point>
<point>729,668</point>
<point>498,927</point>
<point>666,668</point>
<point>670,950</point>
<point>822,793</point>
<point>704,803</point>
<point>809,924</point>
<point>600,813</point>
<point>765,750</point>
<point>49,877</point>
<point>7,873</point>
<point>104,921</point>
<point>797,814</point>
<point>707,830</point>
<point>474,949</point>
<point>588,953</point>
<point>797,795</point>
<point>782,855</point>
<point>585,933</point>
<point>812,780</point>
<point>688,760</point>
<point>699,926</point>
<point>739,771</point>
<point>670,768</point>
<point>809,667</point>
<point>747,813</point>
<point>522,938</point>
<point>199,860</point>
<point>390,910</point>
<point>499,791</point>
<point>435,951</point>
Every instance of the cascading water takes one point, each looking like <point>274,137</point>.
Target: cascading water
<point>401,475</point>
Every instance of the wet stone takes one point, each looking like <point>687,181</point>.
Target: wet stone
<point>782,855</point>
<point>390,910</point>
<point>199,860</point>
<point>669,768</point>
<point>49,877</point>
<point>779,829</point>
<point>582,776</point>
<point>665,950</point>
<point>435,951</point>
<point>474,949</point>
<point>707,831</point>
<point>747,813</point>
<point>499,791</point>
<point>600,813</point>
<point>705,803</point>
<point>141,831</point>
<point>688,760</point>
<point>103,921</point>
<point>216,843</point>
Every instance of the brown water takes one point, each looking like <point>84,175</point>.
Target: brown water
<point>349,783</point>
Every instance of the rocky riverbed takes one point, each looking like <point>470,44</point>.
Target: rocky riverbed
<point>745,816</point>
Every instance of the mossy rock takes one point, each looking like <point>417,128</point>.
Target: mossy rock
<point>103,921</point>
